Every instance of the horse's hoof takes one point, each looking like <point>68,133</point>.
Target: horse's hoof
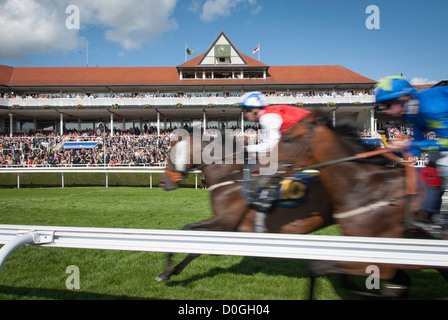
<point>162,277</point>
<point>392,291</point>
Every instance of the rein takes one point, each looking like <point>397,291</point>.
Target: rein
<point>358,156</point>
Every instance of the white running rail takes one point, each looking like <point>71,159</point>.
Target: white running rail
<point>431,253</point>
<point>106,170</point>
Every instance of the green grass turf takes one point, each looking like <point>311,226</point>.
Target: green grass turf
<point>39,273</point>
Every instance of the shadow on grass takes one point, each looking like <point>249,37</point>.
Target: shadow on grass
<point>426,284</point>
<point>57,294</point>
<point>251,266</point>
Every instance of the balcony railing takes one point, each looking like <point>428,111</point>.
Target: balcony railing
<point>168,102</point>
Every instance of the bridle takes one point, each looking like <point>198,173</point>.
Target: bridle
<point>304,146</point>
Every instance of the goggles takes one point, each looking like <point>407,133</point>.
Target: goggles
<point>384,105</point>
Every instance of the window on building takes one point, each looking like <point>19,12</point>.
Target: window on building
<point>253,75</point>
<point>189,75</point>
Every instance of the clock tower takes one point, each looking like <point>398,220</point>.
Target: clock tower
<point>222,52</point>
<point>222,60</point>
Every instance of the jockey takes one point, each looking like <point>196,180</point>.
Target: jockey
<point>427,111</point>
<point>274,121</point>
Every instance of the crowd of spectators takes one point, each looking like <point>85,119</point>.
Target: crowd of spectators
<point>133,147</point>
<point>134,95</point>
<point>398,130</point>
<point>46,149</point>
<point>309,94</point>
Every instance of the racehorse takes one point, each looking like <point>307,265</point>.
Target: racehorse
<point>369,200</point>
<point>231,213</point>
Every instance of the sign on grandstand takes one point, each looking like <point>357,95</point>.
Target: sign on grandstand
<point>80,145</point>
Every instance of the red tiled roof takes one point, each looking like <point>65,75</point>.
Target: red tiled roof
<point>147,76</point>
<point>5,75</point>
<point>91,76</point>
<point>315,75</point>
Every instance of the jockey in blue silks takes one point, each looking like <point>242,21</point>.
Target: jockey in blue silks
<point>426,111</point>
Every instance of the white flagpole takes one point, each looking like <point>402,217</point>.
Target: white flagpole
<point>186,46</point>
<point>259,52</point>
<point>87,54</point>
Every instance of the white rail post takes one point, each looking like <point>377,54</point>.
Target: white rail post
<point>18,242</point>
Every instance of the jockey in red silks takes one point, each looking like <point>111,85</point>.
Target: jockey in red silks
<point>274,121</point>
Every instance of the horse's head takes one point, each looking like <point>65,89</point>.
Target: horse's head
<point>313,142</point>
<point>296,146</point>
<point>178,164</point>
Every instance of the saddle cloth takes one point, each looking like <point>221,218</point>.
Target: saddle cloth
<point>291,191</point>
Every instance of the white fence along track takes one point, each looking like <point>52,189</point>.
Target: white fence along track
<point>431,253</point>
<point>99,169</point>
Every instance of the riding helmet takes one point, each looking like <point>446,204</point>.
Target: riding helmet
<point>254,99</point>
<point>393,87</point>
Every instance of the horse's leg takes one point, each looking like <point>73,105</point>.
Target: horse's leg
<point>168,266</point>
<point>311,290</point>
<point>228,215</point>
<point>169,261</point>
<point>216,223</point>
<point>177,269</point>
<point>316,269</point>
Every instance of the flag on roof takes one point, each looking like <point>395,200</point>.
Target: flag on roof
<point>190,52</point>
<point>256,49</point>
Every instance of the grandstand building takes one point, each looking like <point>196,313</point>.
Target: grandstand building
<point>202,91</point>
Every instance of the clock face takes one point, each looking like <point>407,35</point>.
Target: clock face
<point>222,51</point>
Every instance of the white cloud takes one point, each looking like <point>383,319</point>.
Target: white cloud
<point>195,6</point>
<point>415,81</point>
<point>420,81</point>
<point>27,27</point>
<point>213,9</point>
<point>131,23</point>
<point>39,26</point>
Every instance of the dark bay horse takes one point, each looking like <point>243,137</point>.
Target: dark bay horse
<point>369,200</point>
<point>231,213</point>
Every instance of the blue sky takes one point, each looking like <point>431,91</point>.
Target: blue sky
<point>412,38</point>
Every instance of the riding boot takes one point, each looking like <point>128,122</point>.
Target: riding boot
<point>263,205</point>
